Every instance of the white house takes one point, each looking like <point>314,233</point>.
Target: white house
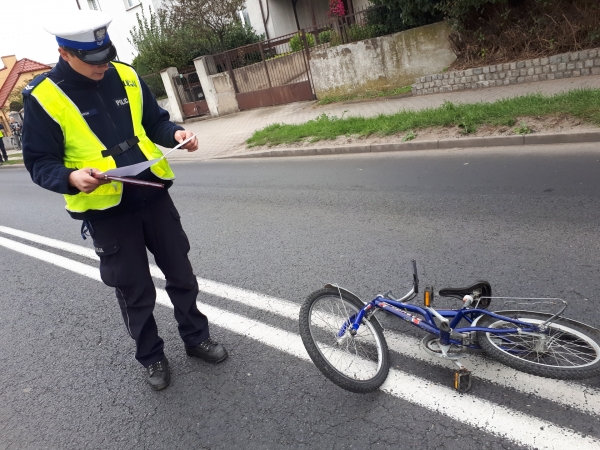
<point>277,18</point>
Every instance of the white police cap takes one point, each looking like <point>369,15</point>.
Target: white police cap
<point>85,34</point>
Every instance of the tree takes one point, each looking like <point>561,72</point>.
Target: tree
<point>159,42</point>
<point>171,38</point>
<point>211,20</point>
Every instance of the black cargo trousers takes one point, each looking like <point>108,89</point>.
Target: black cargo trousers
<point>121,241</point>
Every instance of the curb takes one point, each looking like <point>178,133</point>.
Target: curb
<point>492,141</point>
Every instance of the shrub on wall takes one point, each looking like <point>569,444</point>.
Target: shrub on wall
<point>400,15</point>
<point>296,42</point>
<point>358,32</point>
<point>493,31</point>
<point>325,36</point>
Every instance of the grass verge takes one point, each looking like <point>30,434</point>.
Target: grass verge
<point>369,94</point>
<point>581,103</point>
<point>12,162</point>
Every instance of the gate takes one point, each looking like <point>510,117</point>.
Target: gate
<point>272,72</point>
<point>189,90</point>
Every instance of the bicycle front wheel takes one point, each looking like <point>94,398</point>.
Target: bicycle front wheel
<point>356,363</point>
<point>566,350</point>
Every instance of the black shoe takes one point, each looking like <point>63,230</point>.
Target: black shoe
<point>209,351</point>
<point>159,375</point>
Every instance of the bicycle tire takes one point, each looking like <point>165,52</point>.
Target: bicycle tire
<point>572,353</point>
<point>343,360</point>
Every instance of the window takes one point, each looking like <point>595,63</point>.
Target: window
<point>131,3</point>
<point>246,17</point>
<point>93,4</point>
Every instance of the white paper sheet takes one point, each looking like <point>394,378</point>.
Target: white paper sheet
<point>135,169</point>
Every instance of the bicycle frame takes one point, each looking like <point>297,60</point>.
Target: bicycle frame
<point>534,340</point>
<point>425,319</point>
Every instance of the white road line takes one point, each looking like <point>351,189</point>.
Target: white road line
<point>496,419</point>
<point>571,394</point>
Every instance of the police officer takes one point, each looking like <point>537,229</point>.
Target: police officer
<point>89,115</point>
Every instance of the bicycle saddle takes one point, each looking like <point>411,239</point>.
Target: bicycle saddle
<point>483,286</point>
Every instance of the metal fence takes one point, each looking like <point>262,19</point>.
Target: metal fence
<point>271,63</point>
<point>188,85</point>
<point>190,93</point>
<point>335,31</point>
<point>361,24</point>
<point>277,71</point>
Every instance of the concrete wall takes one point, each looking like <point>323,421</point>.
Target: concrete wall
<point>175,108</point>
<point>381,63</point>
<point>165,103</point>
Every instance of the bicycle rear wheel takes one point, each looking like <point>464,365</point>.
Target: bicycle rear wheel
<point>566,351</point>
<point>356,363</point>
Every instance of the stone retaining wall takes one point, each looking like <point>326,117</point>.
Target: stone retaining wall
<point>566,65</point>
<point>381,63</point>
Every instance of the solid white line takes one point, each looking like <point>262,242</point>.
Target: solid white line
<point>574,395</point>
<point>494,418</point>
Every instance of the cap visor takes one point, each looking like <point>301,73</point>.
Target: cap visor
<point>96,57</point>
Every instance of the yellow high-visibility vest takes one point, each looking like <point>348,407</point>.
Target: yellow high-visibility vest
<point>83,148</point>
<point>1,134</point>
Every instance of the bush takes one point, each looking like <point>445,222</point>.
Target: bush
<point>400,15</point>
<point>494,31</point>
<point>162,42</point>
<point>325,36</point>
<point>358,32</point>
<point>296,43</point>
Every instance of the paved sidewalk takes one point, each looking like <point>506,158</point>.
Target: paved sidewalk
<point>224,136</point>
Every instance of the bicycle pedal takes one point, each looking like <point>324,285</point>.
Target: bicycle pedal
<point>462,380</point>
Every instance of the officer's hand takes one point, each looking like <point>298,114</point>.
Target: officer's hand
<point>82,180</point>
<point>182,135</point>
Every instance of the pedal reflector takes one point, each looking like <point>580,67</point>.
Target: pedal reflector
<point>462,380</point>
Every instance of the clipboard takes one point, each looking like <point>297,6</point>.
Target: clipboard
<point>122,174</point>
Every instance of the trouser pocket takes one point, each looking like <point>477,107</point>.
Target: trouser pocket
<point>109,253</point>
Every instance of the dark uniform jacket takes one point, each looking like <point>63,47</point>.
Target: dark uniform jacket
<point>104,106</point>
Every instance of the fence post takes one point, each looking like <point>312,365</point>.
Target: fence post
<point>307,62</point>
<point>220,102</point>
<point>176,110</point>
<point>230,71</point>
<point>262,56</point>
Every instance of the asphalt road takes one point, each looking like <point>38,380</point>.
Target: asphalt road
<point>526,219</point>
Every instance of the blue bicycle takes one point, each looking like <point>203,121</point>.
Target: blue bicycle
<point>347,344</point>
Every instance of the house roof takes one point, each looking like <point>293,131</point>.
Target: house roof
<point>22,66</point>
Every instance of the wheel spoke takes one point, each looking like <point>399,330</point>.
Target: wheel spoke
<point>564,347</point>
<point>355,356</point>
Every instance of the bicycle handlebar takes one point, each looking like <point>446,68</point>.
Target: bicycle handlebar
<point>415,277</point>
